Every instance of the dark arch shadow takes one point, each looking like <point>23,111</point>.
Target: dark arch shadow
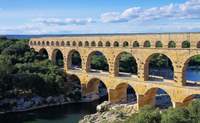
<point>43,53</point>
<point>74,60</point>
<point>58,58</point>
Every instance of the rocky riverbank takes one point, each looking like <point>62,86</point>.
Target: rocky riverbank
<point>23,104</point>
<point>110,113</point>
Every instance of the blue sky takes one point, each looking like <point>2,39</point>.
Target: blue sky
<point>98,16</point>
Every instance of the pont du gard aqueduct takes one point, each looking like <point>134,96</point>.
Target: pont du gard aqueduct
<point>180,48</point>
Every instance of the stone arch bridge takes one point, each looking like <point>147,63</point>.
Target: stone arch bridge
<point>178,47</point>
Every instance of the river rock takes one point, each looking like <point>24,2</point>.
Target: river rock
<point>110,113</point>
<point>105,106</point>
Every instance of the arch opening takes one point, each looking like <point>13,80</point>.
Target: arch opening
<point>147,44</point>
<point>75,58</point>
<point>100,44</point>
<point>126,65</point>
<point>186,44</point>
<point>73,85</point>
<point>107,44</point>
<point>97,90</point>
<point>191,71</point>
<point>172,44</point>
<point>125,44</point>
<point>80,44</point>
<point>74,43</point>
<point>126,93</point>
<point>97,62</point>
<point>116,44</point>
<point>47,43</point>
<point>58,58</point>
<point>43,53</point>
<point>62,43</point>
<point>158,97</point>
<point>159,67</point>
<point>159,44</point>
<point>93,44</point>
<point>136,44</point>
<point>68,43</point>
<point>52,43</point>
<point>87,44</point>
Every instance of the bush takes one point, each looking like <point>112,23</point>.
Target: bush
<point>147,114</point>
<point>176,115</point>
<point>194,110</point>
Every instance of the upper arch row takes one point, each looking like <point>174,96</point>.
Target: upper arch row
<point>146,44</point>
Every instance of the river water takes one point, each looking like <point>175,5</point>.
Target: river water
<point>70,113</point>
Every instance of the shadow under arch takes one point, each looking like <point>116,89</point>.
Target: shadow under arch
<point>126,93</point>
<point>97,89</point>
<point>43,53</point>
<point>157,97</point>
<point>97,61</point>
<point>57,58</point>
<point>158,67</point>
<point>126,66</point>
<point>73,85</point>
<point>74,60</point>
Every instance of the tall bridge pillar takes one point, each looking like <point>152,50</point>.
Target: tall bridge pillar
<point>178,74</point>
<point>142,75</point>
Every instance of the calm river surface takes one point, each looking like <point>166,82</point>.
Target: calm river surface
<point>70,113</point>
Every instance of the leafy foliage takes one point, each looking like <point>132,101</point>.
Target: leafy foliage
<point>24,71</point>
<point>148,114</point>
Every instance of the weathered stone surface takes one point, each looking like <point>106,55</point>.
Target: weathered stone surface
<point>110,113</point>
<point>117,85</point>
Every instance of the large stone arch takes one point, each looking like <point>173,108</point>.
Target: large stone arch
<point>92,87</point>
<point>150,96</point>
<point>75,80</point>
<point>54,53</point>
<point>147,61</point>
<point>116,61</point>
<point>121,91</point>
<point>69,58</point>
<point>42,50</point>
<point>44,53</point>
<point>89,59</point>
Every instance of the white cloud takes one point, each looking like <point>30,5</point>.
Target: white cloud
<point>61,22</point>
<point>187,10</point>
<point>137,19</point>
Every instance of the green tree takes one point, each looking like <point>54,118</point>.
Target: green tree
<point>194,109</point>
<point>147,114</point>
<point>177,115</point>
